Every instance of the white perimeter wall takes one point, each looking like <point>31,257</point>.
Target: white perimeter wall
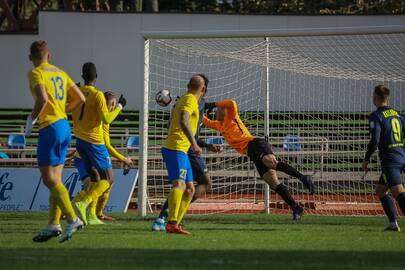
<point>114,42</point>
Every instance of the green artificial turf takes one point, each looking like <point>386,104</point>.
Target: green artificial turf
<point>218,242</point>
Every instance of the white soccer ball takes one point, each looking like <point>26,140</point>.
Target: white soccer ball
<point>163,98</point>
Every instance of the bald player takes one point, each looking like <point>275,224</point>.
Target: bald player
<point>259,151</point>
<point>181,138</point>
<point>55,94</point>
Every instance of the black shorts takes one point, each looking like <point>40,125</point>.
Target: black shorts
<point>198,167</point>
<point>257,149</point>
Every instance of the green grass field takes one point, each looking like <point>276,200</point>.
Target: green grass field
<point>218,242</point>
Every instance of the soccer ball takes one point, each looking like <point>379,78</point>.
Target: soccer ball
<point>163,98</point>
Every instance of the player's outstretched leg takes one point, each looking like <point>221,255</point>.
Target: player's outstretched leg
<point>270,177</point>
<point>291,171</point>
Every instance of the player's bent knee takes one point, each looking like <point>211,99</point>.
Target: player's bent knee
<point>94,175</point>
<point>179,184</point>
<point>106,174</point>
<point>396,190</point>
<point>270,161</point>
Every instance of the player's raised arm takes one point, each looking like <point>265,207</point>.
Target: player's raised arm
<point>230,106</point>
<point>106,116</point>
<point>211,123</point>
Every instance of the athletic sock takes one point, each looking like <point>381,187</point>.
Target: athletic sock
<point>96,190</point>
<point>401,201</point>
<point>175,198</point>
<point>184,205</point>
<point>284,167</point>
<point>61,195</point>
<point>79,196</point>
<point>102,201</point>
<point>282,190</point>
<point>164,211</point>
<point>54,211</point>
<point>389,208</point>
<point>92,208</point>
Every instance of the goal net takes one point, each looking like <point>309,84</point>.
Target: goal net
<point>311,95</point>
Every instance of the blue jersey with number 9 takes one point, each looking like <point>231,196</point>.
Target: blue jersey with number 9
<point>56,83</point>
<point>387,131</point>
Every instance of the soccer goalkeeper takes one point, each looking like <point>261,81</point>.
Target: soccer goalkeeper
<point>259,151</point>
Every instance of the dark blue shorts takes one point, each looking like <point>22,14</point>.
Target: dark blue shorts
<point>178,165</point>
<point>53,143</point>
<point>93,155</point>
<point>81,167</point>
<point>198,166</point>
<point>391,176</point>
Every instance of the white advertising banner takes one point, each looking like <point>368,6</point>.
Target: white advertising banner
<point>21,189</point>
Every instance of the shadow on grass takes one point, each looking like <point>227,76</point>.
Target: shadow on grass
<point>121,258</point>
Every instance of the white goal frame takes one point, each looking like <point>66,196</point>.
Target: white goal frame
<point>263,33</point>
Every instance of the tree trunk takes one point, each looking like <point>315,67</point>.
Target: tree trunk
<point>151,5</point>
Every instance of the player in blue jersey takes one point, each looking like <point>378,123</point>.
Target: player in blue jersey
<point>198,167</point>
<point>387,128</point>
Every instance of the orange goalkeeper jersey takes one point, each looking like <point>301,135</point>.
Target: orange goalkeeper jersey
<point>232,129</point>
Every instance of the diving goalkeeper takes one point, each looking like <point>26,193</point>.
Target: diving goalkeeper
<point>258,150</point>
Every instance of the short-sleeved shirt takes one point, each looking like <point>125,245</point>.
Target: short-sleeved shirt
<point>88,119</point>
<point>57,84</point>
<point>386,129</point>
<point>176,139</point>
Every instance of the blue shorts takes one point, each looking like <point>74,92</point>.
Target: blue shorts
<point>391,176</point>
<point>81,167</point>
<point>93,155</point>
<point>198,167</point>
<point>178,165</point>
<point>53,143</point>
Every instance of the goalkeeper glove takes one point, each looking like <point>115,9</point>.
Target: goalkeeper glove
<point>29,124</point>
<point>209,106</point>
<point>122,101</point>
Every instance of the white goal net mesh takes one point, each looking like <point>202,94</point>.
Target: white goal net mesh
<point>320,90</point>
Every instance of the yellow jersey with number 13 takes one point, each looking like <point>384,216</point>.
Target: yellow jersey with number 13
<point>176,139</point>
<point>56,83</point>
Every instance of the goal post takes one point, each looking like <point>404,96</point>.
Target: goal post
<point>308,90</point>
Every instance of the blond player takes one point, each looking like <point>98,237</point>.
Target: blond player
<point>51,87</point>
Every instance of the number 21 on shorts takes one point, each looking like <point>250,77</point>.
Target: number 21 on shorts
<point>183,174</point>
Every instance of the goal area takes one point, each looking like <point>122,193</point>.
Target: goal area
<point>310,94</point>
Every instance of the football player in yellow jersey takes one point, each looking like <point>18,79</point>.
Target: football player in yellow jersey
<point>88,121</point>
<point>54,94</point>
<point>180,138</point>
<point>98,208</point>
